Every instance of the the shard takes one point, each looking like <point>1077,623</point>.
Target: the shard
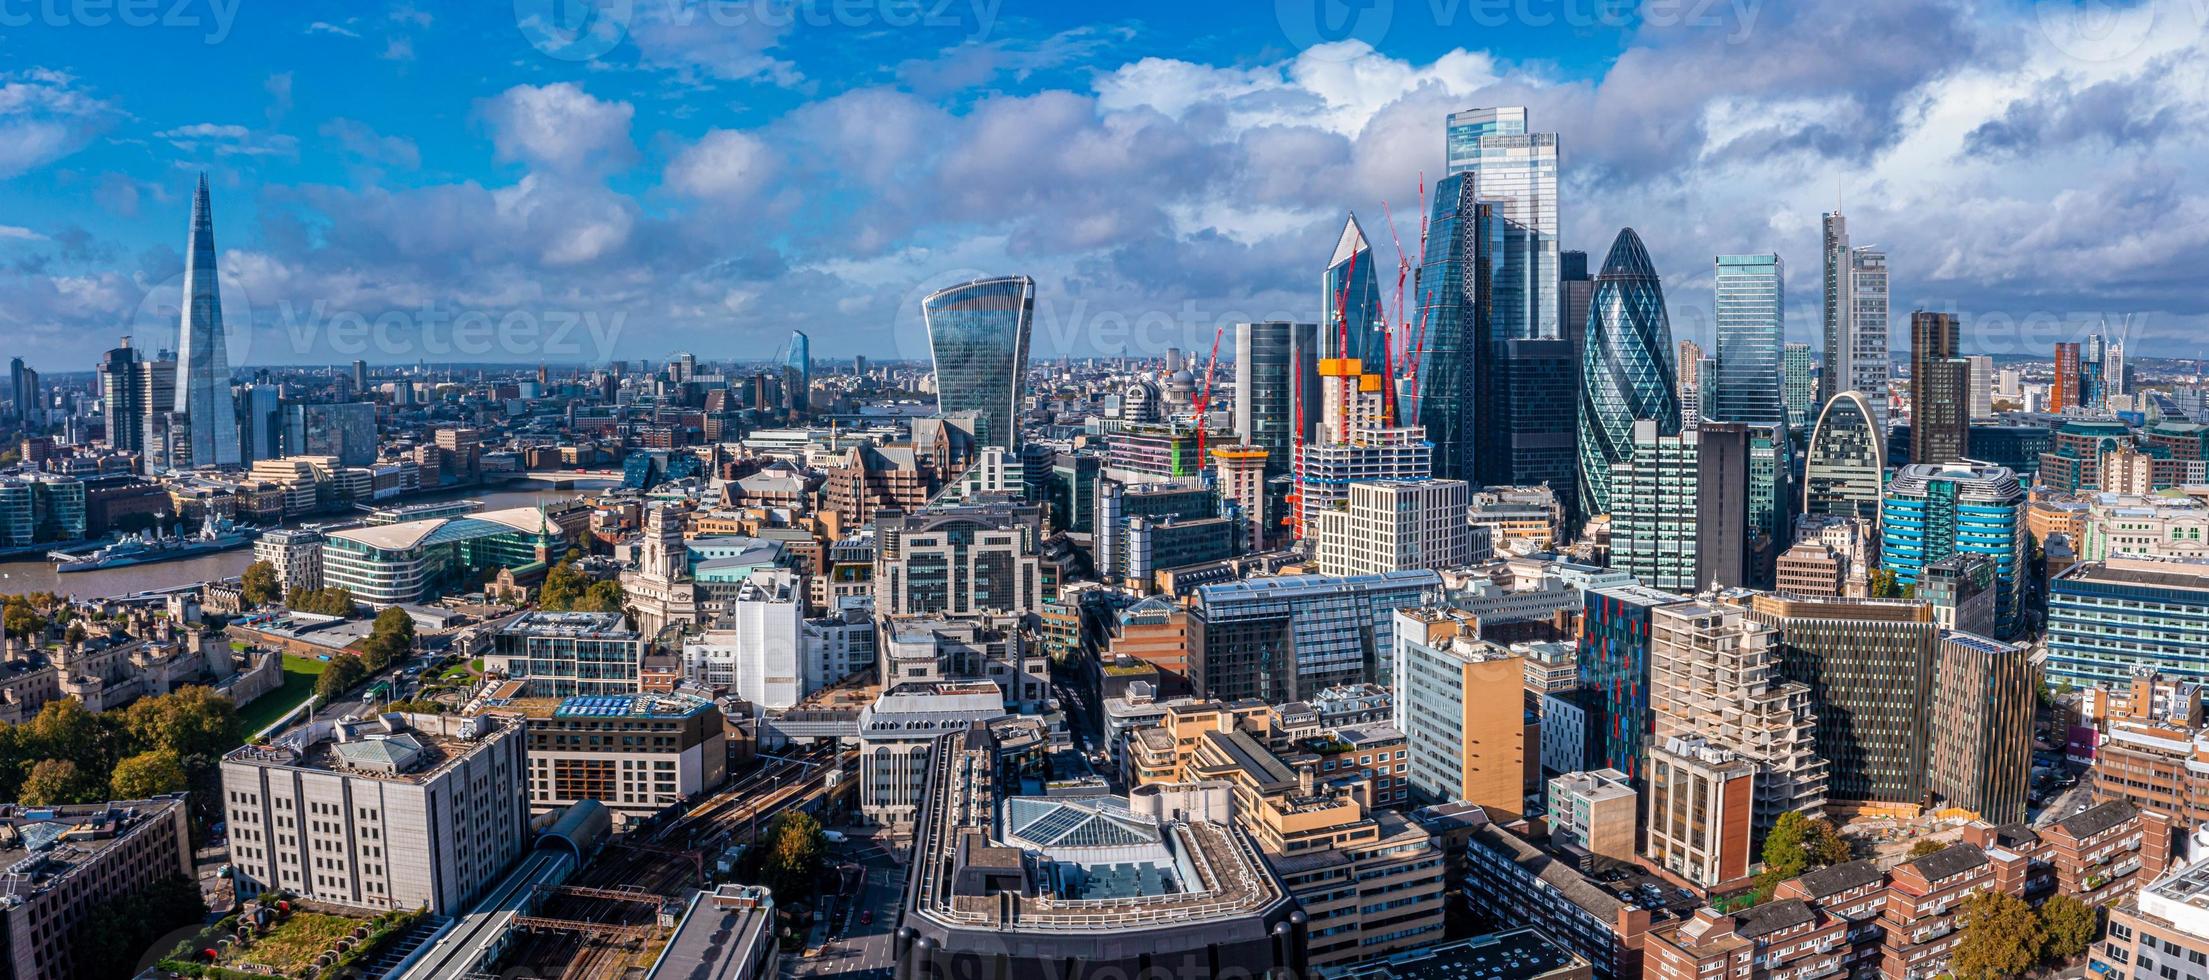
<point>202,364</point>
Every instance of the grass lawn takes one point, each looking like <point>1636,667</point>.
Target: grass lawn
<point>299,677</point>
<point>295,943</point>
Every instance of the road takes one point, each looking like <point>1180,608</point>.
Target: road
<point>862,951</point>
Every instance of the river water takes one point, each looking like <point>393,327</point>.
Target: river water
<point>39,576</point>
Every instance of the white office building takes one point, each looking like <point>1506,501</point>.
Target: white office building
<point>1393,525</point>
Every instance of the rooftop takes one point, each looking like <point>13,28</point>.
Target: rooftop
<point>385,747</point>
<point>670,705</point>
<point>568,624</point>
<point>42,845</point>
<point>1521,954</point>
<point>718,934</point>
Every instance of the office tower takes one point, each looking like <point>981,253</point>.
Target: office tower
<point>203,364</point>
<point>1869,666</point>
<point>1454,696</point>
<point>123,390</point>
<point>978,336</point>
<point>1692,386</point>
<point>1984,694</point>
<point>2107,618</point>
<point>1940,391</point>
<point>18,389</point>
<point>1391,525</point>
<point>1276,388</point>
<point>1627,373</point>
<point>346,430</point>
<point>1699,812</point>
<point>1617,633</point>
<point>1575,289</point>
<point>1457,363</point>
<point>2063,391</point>
<point>1715,675</point>
<point>158,393</point>
<point>39,507</point>
<point>401,812</point>
<point>1286,638</point>
<point>1771,497</point>
<point>1680,508</point>
<point>797,374</point>
<point>360,375</point>
<point>1981,370</point>
<point>1517,171</point>
<point>1528,418</point>
<point>28,408</point>
<point>1240,471</point>
<point>1799,385</point>
<point>1856,353</point>
<point>964,560</point>
<point>1350,290</point>
<point>1845,468</point>
<point>1932,512</point>
<point>264,424</point>
<point>1751,318</point>
<point>2114,380</point>
<point>755,650</point>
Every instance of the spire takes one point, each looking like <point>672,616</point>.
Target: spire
<point>202,364</point>
<point>1351,242</point>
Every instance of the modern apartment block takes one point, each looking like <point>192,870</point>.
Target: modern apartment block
<point>1596,812</point>
<point>1869,666</point>
<point>1715,676</point>
<point>563,654</point>
<point>1386,526</point>
<point>1932,512</point>
<point>398,812</point>
<point>1981,750</point>
<point>64,863</point>
<point>2160,933</point>
<point>1617,641</point>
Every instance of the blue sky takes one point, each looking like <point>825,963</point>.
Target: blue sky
<point>569,180</point>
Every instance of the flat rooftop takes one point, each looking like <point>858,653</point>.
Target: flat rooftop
<point>373,748</point>
<point>568,624</point>
<point>1521,954</point>
<point>42,845</point>
<point>611,706</point>
<point>719,934</point>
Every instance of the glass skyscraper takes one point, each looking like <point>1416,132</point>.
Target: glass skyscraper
<point>1517,172</point>
<point>1846,465</point>
<point>1751,315</point>
<point>1798,385</point>
<point>1276,363</point>
<point>1935,511</point>
<point>978,335</point>
<point>1626,373</point>
<point>1352,291</point>
<point>1855,320</point>
<point>203,364</point>
<point>797,373</point>
<point>1457,362</point>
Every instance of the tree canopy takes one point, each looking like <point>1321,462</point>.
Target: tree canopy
<point>259,585</point>
<point>2001,937</point>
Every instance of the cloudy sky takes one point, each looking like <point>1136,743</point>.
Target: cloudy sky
<point>571,180</point>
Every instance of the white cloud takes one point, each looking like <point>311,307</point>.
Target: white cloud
<point>724,165</point>
<point>559,127</point>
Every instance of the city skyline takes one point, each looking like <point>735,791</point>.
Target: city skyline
<point>547,190</point>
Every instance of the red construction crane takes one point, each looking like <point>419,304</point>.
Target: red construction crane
<point>1204,398</point>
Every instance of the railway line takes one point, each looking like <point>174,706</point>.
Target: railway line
<point>605,918</point>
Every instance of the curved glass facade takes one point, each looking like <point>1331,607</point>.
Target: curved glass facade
<point>1626,370</point>
<point>1847,462</point>
<point>1454,295</point>
<point>797,373</point>
<point>978,335</point>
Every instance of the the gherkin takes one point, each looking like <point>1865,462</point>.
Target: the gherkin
<point>1626,371</point>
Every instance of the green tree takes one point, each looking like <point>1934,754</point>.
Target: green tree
<point>55,782</point>
<point>1927,847</point>
<point>391,639</point>
<point>115,933</point>
<point>1797,845</point>
<point>259,584</point>
<point>794,848</point>
<point>322,602</point>
<point>20,620</point>
<point>2001,937</point>
<point>1827,846</point>
<point>1884,585</point>
<point>2067,927</point>
<point>147,775</point>
<point>63,729</point>
<point>345,670</point>
<point>563,586</point>
<point>194,722</point>
<point>600,597</point>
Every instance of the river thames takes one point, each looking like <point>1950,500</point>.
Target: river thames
<point>19,577</point>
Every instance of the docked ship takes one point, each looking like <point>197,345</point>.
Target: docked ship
<point>154,546</point>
